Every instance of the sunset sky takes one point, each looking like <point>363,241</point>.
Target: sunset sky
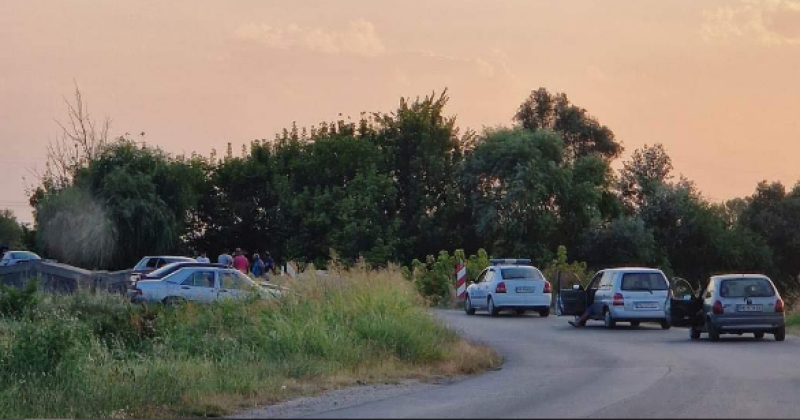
<point>715,81</point>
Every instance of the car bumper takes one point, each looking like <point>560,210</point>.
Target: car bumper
<point>749,323</point>
<point>530,303</point>
<point>622,314</point>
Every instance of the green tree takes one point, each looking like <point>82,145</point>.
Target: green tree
<point>647,171</point>
<point>512,178</point>
<point>11,233</point>
<point>581,132</point>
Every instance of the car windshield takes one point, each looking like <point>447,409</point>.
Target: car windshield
<point>746,287</point>
<point>521,273</point>
<point>643,281</point>
<point>25,256</point>
<point>163,270</point>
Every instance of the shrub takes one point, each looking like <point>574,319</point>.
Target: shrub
<point>15,302</point>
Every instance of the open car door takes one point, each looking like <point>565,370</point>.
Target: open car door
<point>684,305</point>
<point>571,300</point>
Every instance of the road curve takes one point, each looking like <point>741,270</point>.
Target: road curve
<point>555,370</point>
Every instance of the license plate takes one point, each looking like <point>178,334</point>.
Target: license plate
<point>751,308</point>
<point>647,305</point>
<point>524,289</point>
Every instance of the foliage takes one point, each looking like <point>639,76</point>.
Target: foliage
<point>11,232</point>
<point>559,268</point>
<point>18,302</point>
<point>94,356</point>
<point>582,133</point>
<point>436,278</point>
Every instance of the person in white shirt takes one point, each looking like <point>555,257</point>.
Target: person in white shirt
<point>203,258</point>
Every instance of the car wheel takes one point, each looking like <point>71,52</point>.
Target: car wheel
<point>635,323</point>
<point>780,334</point>
<point>694,333</point>
<point>665,325</point>
<point>544,313</point>
<point>713,332</point>
<point>468,306</point>
<point>519,312</point>
<point>608,319</point>
<point>758,335</point>
<point>493,311</point>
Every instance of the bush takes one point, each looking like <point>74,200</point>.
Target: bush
<point>15,302</point>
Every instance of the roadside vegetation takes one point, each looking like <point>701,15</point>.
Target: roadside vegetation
<point>793,322</point>
<point>97,356</point>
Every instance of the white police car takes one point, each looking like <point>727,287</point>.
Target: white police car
<point>509,284</point>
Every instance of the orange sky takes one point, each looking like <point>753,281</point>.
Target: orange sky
<point>715,81</point>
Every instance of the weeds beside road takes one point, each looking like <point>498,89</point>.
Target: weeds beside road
<point>97,356</point>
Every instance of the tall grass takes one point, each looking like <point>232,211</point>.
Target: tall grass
<point>97,356</point>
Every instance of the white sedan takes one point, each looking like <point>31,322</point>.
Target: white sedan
<point>509,284</point>
<point>200,284</point>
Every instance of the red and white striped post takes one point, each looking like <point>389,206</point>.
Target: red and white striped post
<point>461,280</point>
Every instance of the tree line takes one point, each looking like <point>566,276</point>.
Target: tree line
<point>403,185</point>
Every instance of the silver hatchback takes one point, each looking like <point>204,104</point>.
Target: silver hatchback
<point>627,294</point>
<point>729,304</point>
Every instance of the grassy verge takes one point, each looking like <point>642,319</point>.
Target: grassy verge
<point>793,322</point>
<point>96,356</point>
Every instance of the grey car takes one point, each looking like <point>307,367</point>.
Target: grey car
<point>729,304</point>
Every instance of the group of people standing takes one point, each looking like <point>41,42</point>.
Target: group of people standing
<point>259,268</point>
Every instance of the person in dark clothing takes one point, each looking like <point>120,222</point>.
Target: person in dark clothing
<point>269,264</point>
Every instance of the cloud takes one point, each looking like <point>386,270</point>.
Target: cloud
<point>769,22</point>
<point>359,38</point>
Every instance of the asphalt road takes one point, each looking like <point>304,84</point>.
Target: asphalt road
<point>555,370</point>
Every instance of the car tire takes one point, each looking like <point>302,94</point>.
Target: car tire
<point>635,323</point>
<point>608,319</point>
<point>694,333</point>
<point>665,325</point>
<point>780,334</point>
<point>493,310</point>
<point>758,335</point>
<point>468,306</point>
<point>544,313</point>
<point>713,332</point>
<point>519,312</point>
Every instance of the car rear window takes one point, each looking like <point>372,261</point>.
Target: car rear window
<point>521,273</point>
<point>643,281</point>
<point>746,287</point>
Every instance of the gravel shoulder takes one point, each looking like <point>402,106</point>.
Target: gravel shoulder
<point>346,397</point>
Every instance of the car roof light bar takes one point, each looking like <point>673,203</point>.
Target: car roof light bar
<point>510,261</point>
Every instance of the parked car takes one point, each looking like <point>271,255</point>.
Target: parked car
<point>730,304</point>
<point>200,284</point>
<point>169,269</point>
<point>629,294</point>
<point>509,284</point>
<point>17,257</point>
<point>152,263</point>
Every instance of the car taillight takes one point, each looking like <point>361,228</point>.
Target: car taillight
<point>501,287</point>
<point>717,308</point>
<point>779,305</point>
<point>619,300</point>
<point>546,286</point>
<point>138,291</point>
